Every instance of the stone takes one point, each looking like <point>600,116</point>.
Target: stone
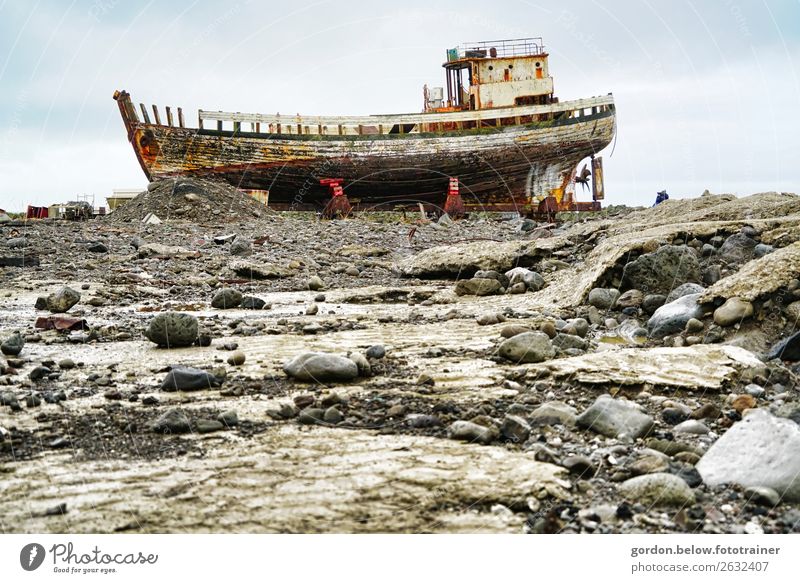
<point>615,418</point>
<point>187,378</point>
<point>580,325</point>
<point>157,250</point>
<point>603,298</point>
<point>62,300</point>
<point>580,466</point>
<point>760,450</point>
<point>652,302</point>
<point>477,287</point>
<point>489,319</point>
<point>762,249</point>
<point>376,351</point>
<point>554,413</point>
<point>228,418</point>
<point>515,429</point>
<point>659,489</point>
<point>693,325</point>
<point>173,421</point>
<point>315,283</point>
<point>517,288</point>
<point>712,274</point>
<point>632,298</point>
<point>252,270</point>
<point>13,345</point>
<point>706,411</point>
<point>527,347</point>
<point>762,496</point>
<point>684,290</point>
<point>333,416</point>
<point>691,427</point>
<point>513,330</point>
<point>364,367</point>
<point>733,311</point>
<point>650,463</point>
<point>671,318</point>
<point>237,358</point>
<point>311,416</point>
<point>743,402</point>
<point>321,367</point>
<point>97,247</point>
<point>569,342</point>
<point>252,303</point>
<point>312,309</point>
<point>662,270</point>
<point>208,425</point>
<point>472,432</point>
<point>737,248</point>
<point>66,364</point>
<point>172,330</point>
<point>226,298</point>
<point>786,349</point>
<point>38,373</point>
<point>532,280</point>
<point>241,248</point>
<point>489,274</point>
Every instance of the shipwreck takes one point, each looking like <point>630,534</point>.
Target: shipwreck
<point>495,135</point>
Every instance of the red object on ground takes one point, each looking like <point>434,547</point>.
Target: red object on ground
<point>338,206</point>
<point>454,205</point>
<point>60,323</point>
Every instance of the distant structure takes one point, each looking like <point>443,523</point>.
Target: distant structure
<point>120,196</point>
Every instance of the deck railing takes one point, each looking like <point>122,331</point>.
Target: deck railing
<point>378,124</point>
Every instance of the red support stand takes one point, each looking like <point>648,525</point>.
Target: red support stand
<point>454,206</point>
<point>338,207</point>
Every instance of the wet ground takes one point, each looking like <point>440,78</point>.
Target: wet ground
<point>88,462</point>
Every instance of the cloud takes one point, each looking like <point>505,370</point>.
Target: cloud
<point>704,91</point>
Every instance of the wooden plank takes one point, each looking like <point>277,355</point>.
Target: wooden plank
<point>169,116</point>
<point>418,118</point>
<point>145,115</point>
<point>155,114</point>
<point>180,118</point>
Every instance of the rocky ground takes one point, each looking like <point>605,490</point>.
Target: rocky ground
<point>633,372</point>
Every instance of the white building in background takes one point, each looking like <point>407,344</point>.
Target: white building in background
<point>120,196</point>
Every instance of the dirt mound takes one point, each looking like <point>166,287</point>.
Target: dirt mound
<point>190,199</point>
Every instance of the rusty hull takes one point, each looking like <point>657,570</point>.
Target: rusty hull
<point>499,168</point>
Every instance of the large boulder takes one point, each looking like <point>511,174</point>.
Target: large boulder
<point>321,367</point>
<point>662,270</point>
<point>760,450</point>
<point>172,330</point>
<point>671,318</point>
<point>615,418</point>
<point>527,347</point>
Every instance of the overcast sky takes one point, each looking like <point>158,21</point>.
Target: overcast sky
<point>708,93</point>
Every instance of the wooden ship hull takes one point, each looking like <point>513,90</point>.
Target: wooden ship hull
<point>505,158</point>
